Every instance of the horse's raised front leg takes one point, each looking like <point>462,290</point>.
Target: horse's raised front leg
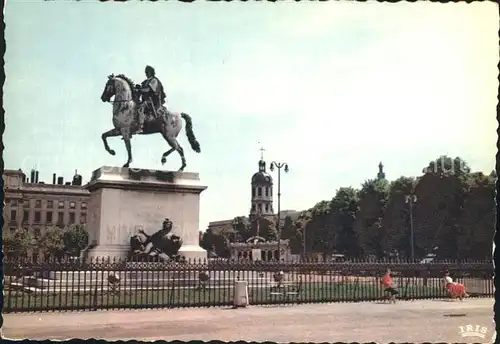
<point>110,133</point>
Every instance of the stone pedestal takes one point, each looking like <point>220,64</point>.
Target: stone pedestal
<point>124,200</point>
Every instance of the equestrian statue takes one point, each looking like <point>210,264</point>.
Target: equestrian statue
<point>140,109</point>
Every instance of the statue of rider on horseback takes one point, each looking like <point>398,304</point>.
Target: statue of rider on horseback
<point>139,109</point>
<point>152,97</point>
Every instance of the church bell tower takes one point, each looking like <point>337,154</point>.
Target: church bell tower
<point>262,190</point>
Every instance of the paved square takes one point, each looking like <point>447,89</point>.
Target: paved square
<point>406,321</point>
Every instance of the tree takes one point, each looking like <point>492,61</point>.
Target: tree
<point>207,240</point>
<point>477,218</point>
<point>441,194</point>
<point>52,242</point>
<point>397,216</point>
<point>265,227</point>
<point>287,229</point>
<point>241,227</point>
<point>299,227</point>
<point>369,224</point>
<point>319,229</point>
<point>217,242</point>
<point>18,243</point>
<point>344,208</point>
<point>75,239</point>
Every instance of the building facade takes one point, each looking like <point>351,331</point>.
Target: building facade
<point>33,205</point>
<point>257,249</point>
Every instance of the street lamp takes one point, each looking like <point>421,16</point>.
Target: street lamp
<point>304,243</point>
<point>411,200</point>
<point>279,165</point>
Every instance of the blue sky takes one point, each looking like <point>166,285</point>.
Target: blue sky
<point>330,88</point>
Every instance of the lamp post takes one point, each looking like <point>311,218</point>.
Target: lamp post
<point>411,200</point>
<point>279,166</point>
<point>304,243</point>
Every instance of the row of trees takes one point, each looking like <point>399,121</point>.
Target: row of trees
<point>453,217</point>
<point>53,242</point>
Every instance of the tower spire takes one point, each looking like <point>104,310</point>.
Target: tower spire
<point>262,153</point>
<point>380,174</point>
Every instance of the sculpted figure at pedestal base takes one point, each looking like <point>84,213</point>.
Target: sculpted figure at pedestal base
<point>163,244</point>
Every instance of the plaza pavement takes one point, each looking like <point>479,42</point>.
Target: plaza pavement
<point>405,321</point>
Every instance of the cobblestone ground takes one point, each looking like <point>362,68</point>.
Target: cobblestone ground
<point>405,321</point>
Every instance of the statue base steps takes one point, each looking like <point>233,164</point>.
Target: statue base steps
<point>124,201</point>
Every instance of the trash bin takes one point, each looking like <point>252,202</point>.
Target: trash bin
<point>240,293</point>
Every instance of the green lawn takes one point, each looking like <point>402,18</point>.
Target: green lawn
<point>317,292</point>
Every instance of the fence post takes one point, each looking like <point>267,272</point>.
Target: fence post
<point>94,299</point>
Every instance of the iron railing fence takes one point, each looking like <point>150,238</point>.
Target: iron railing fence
<point>49,285</point>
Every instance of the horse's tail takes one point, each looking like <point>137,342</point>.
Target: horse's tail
<point>190,134</point>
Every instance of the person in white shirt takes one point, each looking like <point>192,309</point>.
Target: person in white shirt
<point>456,290</point>
<point>447,279</point>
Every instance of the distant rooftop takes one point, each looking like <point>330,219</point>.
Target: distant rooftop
<point>18,181</point>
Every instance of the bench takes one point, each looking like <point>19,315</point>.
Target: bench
<point>286,289</point>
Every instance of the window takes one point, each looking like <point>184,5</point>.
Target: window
<point>38,216</point>
<point>50,204</point>
<point>83,218</point>
<point>13,215</point>
<point>38,203</point>
<point>27,203</point>
<point>71,218</point>
<point>60,217</point>
<point>72,205</point>
<point>253,192</point>
<point>26,216</point>
<point>84,205</point>
<point>260,208</point>
<point>13,203</point>
<point>267,208</point>
<point>267,192</point>
<point>61,205</point>
<point>49,217</point>
<point>259,191</point>
<point>253,207</point>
